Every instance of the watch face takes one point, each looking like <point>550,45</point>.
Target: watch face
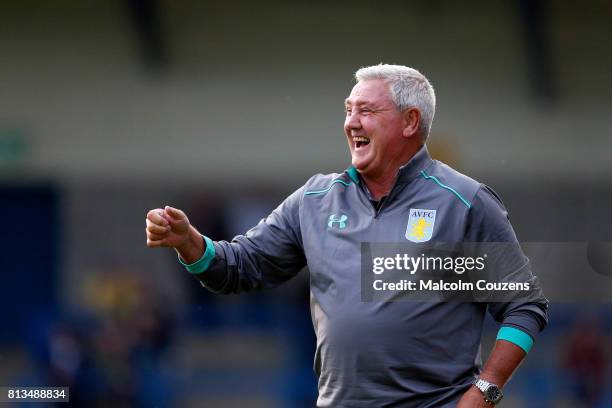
<point>493,394</point>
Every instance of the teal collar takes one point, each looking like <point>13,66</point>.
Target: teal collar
<point>353,174</point>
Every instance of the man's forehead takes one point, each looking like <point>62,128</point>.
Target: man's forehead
<point>369,91</point>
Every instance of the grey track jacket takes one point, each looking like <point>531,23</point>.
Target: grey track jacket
<point>377,354</point>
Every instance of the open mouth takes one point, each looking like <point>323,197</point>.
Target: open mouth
<point>361,141</point>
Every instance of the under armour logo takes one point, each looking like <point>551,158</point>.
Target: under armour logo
<point>341,221</point>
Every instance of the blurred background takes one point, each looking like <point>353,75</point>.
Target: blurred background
<point>222,109</point>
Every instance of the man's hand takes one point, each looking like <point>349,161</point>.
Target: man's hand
<point>170,227</point>
<point>473,398</point>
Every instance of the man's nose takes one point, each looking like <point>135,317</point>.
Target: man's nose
<point>352,121</point>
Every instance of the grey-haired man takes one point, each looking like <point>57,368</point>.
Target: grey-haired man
<point>391,354</point>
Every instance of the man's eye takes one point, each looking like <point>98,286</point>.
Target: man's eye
<point>348,111</point>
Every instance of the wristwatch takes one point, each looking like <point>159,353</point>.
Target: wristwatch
<point>491,392</point>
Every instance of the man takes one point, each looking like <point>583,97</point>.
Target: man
<point>375,354</point>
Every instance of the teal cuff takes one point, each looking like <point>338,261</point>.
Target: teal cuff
<point>516,336</point>
<point>203,263</point>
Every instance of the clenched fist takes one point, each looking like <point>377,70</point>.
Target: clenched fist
<point>170,227</point>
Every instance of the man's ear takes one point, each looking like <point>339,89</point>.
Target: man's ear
<point>412,120</point>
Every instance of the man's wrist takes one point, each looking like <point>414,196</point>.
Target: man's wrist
<point>193,249</point>
<point>490,391</point>
<point>475,395</point>
<point>492,378</point>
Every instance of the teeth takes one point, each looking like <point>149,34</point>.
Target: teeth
<point>360,139</point>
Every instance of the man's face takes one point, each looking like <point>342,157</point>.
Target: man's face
<point>373,126</point>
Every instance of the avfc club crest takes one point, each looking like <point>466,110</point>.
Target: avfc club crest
<point>420,225</point>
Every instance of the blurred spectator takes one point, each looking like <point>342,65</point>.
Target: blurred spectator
<point>110,351</point>
<point>586,361</point>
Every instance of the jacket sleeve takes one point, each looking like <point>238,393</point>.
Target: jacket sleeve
<point>488,223</point>
<point>267,255</point>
